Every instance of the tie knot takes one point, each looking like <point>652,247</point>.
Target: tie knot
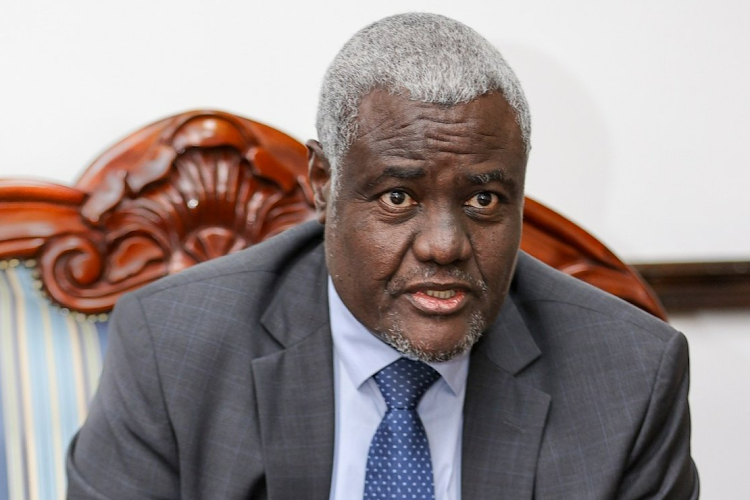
<point>404,382</point>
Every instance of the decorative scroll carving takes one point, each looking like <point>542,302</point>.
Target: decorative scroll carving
<point>181,191</point>
<point>202,184</point>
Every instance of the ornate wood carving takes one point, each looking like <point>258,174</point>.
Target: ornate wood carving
<point>201,184</point>
<point>553,239</point>
<point>183,190</point>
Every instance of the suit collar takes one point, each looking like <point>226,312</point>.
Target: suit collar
<point>508,343</point>
<point>297,416</point>
<point>504,417</point>
<point>299,304</point>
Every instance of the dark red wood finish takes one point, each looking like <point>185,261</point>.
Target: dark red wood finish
<point>183,190</point>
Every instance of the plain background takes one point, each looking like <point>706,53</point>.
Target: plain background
<point>640,123</point>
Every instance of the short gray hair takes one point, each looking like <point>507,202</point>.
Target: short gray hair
<point>432,58</point>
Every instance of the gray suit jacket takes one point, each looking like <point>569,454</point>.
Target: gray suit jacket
<point>218,384</point>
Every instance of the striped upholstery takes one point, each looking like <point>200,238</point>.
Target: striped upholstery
<point>49,367</point>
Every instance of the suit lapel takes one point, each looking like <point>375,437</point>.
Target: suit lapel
<point>504,418</point>
<point>294,386</point>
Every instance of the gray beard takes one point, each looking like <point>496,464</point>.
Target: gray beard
<point>394,336</point>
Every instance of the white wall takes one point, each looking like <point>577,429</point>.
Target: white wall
<point>640,121</point>
<point>720,410</point>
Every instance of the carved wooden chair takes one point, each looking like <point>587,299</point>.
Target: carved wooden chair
<point>180,191</point>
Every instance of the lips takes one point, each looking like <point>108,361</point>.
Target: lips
<point>443,302</point>
<point>437,292</point>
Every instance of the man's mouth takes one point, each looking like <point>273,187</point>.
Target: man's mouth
<point>438,301</point>
<point>441,294</point>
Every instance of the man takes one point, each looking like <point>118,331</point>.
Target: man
<point>405,348</point>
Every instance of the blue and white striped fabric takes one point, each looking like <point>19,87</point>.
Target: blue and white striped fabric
<point>49,368</point>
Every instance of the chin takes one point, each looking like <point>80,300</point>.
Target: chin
<point>423,351</point>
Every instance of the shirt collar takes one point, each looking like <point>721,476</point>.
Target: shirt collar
<point>351,339</point>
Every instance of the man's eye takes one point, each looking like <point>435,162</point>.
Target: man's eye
<point>485,199</point>
<point>397,198</point>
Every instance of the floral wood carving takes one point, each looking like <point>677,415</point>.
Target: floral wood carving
<point>202,184</point>
<point>183,190</point>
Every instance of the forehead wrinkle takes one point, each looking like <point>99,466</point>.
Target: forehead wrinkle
<point>417,143</point>
<point>370,123</point>
<point>469,143</point>
<point>399,149</point>
<point>420,131</point>
<point>468,131</point>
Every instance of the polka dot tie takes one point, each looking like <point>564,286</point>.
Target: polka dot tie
<point>399,464</point>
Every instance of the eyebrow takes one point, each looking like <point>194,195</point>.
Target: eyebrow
<point>399,173</point>
<point>487,177</point>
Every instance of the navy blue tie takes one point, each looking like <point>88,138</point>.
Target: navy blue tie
<point>399,463</point>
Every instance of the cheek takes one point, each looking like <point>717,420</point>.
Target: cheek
<point>370,251</point>
<point>495,253</point>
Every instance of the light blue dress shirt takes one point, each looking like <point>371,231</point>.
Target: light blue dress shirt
<point>357,356</point>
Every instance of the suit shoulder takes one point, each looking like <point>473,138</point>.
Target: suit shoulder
<point>224,300</point>
<point>231,293</point>
<point>538,288</point>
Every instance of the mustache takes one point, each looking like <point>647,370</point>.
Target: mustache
<point>398,284</point>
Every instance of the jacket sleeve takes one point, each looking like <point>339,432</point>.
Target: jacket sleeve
<point>126,448</point>
<point>660,465</point>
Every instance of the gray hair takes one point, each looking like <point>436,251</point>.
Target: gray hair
<point>430,57</point>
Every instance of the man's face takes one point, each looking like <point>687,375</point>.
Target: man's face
<point>422,235</point>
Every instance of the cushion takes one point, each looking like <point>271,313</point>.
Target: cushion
<point>50,362</point>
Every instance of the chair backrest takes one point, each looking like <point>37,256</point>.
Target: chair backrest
<point>183,190</point>
<point>180,191</point>
<point>560,243</point>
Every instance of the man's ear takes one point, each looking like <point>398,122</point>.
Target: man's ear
<point>320,178</point>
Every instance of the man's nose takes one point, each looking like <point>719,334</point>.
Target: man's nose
<point>442,239</point>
